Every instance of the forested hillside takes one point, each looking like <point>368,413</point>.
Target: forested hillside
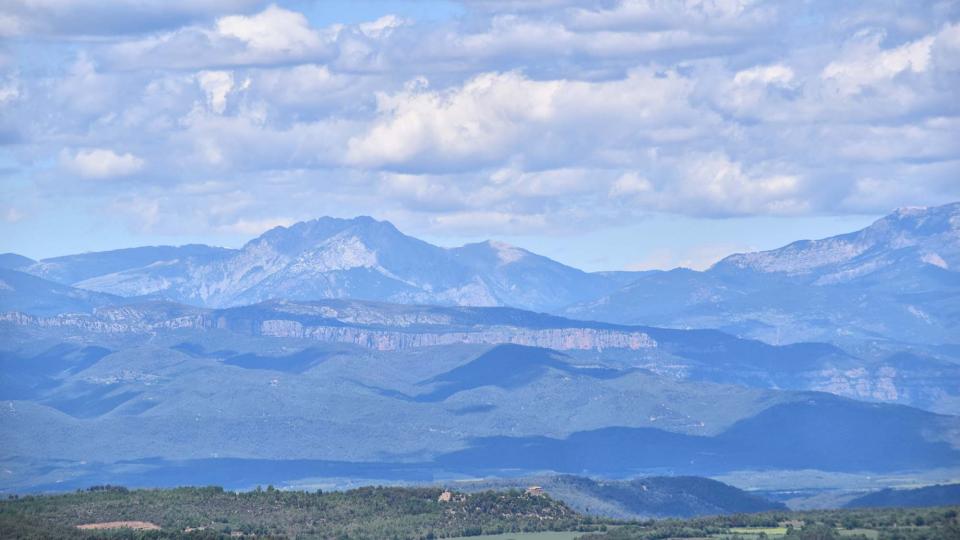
<point>361,513</point>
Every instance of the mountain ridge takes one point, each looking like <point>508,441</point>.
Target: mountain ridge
<point>896,280</point>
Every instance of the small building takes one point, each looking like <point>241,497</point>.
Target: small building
<point>446,496</point>
<point>535,491</point>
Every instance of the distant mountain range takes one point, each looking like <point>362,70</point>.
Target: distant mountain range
<point>158,410</point>
<point>357,258</point>
<point>343,348</point>
<point>896,280</point>
<point>910,378</point>
<point>938,495</point>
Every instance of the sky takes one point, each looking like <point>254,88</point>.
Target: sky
<point>606,134</point>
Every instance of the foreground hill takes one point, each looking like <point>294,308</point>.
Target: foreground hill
<point>415,513</point>
<point>897,279</point>
<point>360,513</point>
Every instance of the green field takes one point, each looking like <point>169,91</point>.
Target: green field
<point>869,533</point>
<point>525,536</point>
<point>769,531</point>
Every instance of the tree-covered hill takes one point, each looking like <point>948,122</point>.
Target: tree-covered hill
<point>372,512</point>
<point>939,523</point>
<point>639,498</point>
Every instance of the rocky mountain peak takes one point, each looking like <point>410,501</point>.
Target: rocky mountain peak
<point>933,230</point>
<point>305,235</point>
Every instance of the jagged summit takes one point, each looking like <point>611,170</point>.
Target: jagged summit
<point>930,235</point>
<point>361,257</point>
<point>898,278</point>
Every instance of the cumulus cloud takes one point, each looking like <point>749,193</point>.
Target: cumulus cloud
<point>108,17</point>
<point>494,117</point>
<point>217,85</point>
<point>274,30</point>
<point>274,35</point>
<point>100,163</point>
<point>864,63</point>
<point>522,116</point>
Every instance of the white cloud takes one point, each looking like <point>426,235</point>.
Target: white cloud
<point>719,185</point>
<point>630,184</point>
<point>946,47</point>
<point>274,35</point>
<point>99,163</point>
<point>142,213</point>
<point>865,63</point>
<point>712,184</point>
<point>274,30</point>
<point>382,26</point>
<point>647,14</point>
<point>520,114</point>
<point>773,74</point>
<point>494,116</point>
<point>217,85</point>
<point>106,17</point>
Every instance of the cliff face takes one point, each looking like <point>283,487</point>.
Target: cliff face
<point>561,339</point>
<point>131,321</point>
<point>96,324</point>
<point>906,379</point>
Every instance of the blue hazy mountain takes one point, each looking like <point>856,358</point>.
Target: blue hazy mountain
<point>917,378</point>
<point>938,495</point>
<point>346,348</point>
<point>71,269</point>
<point>12,261</point>
<point>897,279</point>
<point>140,410</point>
<point>25,293</point>
<point>331,258</point>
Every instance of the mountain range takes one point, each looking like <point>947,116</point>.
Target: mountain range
<point>898,280</point>
<point>895,281</point>
<point>345,349</point>
<point>357,258</point>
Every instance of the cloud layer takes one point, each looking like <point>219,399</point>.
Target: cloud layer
<point>521,117</point>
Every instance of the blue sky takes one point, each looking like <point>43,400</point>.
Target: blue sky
<point>607,134</point>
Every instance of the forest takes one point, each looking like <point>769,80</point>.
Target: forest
<point>419,513</point>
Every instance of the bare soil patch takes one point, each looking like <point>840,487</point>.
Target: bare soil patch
<point>136,525</point>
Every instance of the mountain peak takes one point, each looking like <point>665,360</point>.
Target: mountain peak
<point>306,234</point>
<point>506,252</point>
<point>934,230</point>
